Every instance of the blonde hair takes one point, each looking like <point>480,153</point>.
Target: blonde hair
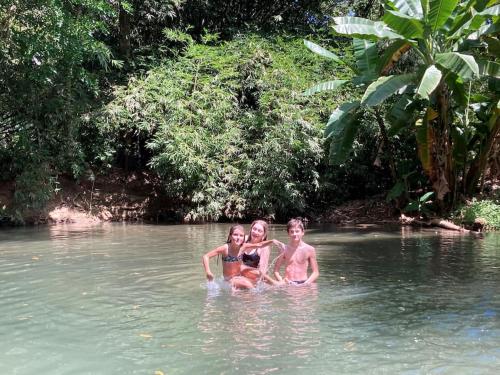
<point>264,225</point>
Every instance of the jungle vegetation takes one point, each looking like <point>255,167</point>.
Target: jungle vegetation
<point>225,102</point>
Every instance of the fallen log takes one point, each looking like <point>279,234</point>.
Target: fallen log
<point>406,220</point>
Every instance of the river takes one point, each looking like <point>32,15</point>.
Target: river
<point>133,299</point>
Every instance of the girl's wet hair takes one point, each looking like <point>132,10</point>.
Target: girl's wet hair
<point>296,222</point>
<point>264,225</point>
<point>232,229</point>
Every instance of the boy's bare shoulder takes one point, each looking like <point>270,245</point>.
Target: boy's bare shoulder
<point>308,247</point>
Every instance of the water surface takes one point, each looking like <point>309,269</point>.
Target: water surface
<point>132,299</point>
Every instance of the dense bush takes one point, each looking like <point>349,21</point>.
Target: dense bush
<point>50,60</point>
<point>487,210</point>
<point>227,126</point>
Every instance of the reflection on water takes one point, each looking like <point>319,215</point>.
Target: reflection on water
<point>132,299</point>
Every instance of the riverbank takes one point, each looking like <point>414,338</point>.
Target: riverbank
<point>137,196</point>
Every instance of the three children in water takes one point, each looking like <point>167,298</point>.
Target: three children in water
<point>245,263</point>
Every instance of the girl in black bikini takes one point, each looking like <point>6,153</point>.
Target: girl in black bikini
<point>255,254</point>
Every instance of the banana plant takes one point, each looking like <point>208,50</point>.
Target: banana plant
<point>456,47</point>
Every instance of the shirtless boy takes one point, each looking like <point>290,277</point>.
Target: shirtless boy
<point>297,257</point>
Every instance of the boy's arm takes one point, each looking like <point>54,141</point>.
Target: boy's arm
<point>264,260</point>
<point>277,267</point>
<point>314,267</point>
<point>206,258</point>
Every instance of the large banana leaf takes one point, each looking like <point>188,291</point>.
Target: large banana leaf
<point>363,28</point>
<point>439,12</point>
<point>338,116</point>
<point>325,86</point>
<point>366,57</point>
<point>470,21</point>
<point>403,24</point>
<point>486,29</point>
<point>489,68</point>
<point>430,80</point>
<point>322,51</point>
<point>384,87</point>
<point>473,24</point>
<point>465,66</point>
<point>391,55</point>
<point>492,11</point>
<point>411,8</point>
<point>342,128</point>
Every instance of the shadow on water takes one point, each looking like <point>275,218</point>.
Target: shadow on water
<point>409,279</point>
<point>402,256</point>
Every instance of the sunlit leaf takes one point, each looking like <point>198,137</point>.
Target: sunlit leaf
<point>384,87</point>
<point>321,51</point>
<point>325,86</point>
<point>439,12</point>
<point>412,8</point>
<point>465,66</point>
<point>363,28</point>
<point>404,24</point>
<point>430,80</point>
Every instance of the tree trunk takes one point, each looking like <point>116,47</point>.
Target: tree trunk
<point>124,32</point>
<point>387,144</point>
<point>443,176</point>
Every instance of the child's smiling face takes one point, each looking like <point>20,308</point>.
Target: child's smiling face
<point>237,237</point>
<point>257,232</point>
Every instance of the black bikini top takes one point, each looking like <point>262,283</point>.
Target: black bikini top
<point>251,260</point>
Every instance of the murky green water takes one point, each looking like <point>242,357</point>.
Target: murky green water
<point>132,299</point>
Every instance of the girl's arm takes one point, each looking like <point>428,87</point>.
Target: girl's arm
<point>205,260</point>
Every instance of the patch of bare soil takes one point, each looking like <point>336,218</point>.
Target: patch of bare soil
<point>118,196</point>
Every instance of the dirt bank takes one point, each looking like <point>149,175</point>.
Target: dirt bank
<point>121,196</point>
<point>115,197</point>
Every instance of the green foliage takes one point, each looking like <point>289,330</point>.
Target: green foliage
<point>227,126</point>
<point>487,210</point>
<point>449,40</point>
<point>420,205</point>
<point>49,59</point>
